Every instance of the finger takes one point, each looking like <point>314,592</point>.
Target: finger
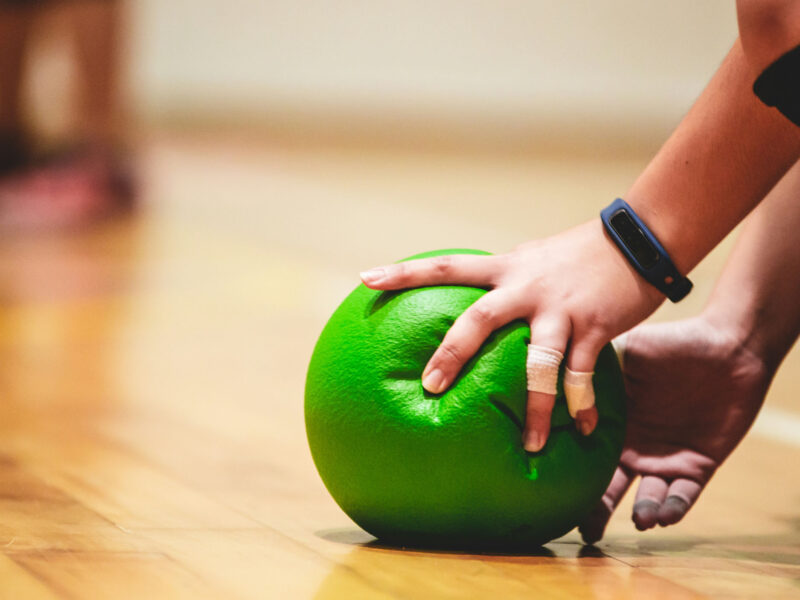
<point>681,496</point>
<point>578,387</point>
<point>649,498</point>
<point>594,524</point>
<point>461,269</point>
<point>620,345</point>
<point>465,337</point>
<point>586,420</point>
<point>551,333</point>
<point>682,464</point>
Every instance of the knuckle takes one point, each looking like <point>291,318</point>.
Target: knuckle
<point>538,417</point>
<point>503,269</point>
<point>482,314</point>
<point>503,261</point>
<point>442,264</point>
<point>552,327</point>
<point>398,272</point>
<point>539,412</point>
<point>450,353</point>
<point>594,324</point>
<point>595,321</point>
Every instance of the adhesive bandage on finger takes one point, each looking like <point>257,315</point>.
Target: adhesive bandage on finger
<point>542,367</point>
<point>579,391</point>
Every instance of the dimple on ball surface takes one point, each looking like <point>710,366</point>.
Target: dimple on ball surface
<point>448,470</point>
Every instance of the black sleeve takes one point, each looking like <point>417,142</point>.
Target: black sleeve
<point>779,85</point>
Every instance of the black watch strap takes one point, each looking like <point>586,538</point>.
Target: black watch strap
<point>643,250</point>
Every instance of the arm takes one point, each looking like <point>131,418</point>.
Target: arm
<point>721,161</point>
<point>763,271</point>
<point>757,297</point>
<point>695,386</point>
<point>768,29</point>
<point>576,288</point>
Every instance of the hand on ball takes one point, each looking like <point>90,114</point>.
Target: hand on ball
<point>575,290</point>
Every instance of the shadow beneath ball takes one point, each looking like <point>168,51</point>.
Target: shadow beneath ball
<point>359,538</point>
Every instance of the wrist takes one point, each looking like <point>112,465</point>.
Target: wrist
<point>673,235</point>
<point>746,325</point>
<point>650,295</point>
<point>643,250</point>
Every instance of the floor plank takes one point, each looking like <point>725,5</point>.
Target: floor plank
<point>151,431</point>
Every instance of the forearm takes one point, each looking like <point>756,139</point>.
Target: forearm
<point>768,29</point>
<point>723,158</point>
<point>757,297</point>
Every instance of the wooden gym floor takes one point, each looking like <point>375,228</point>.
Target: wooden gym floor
<point>152,369</point>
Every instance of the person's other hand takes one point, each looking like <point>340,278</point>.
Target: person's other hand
<point>693,394</point>
<point>573,289</point>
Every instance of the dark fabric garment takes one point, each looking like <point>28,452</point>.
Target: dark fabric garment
<point>779,85</point>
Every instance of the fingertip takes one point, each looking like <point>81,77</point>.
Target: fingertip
<point>434,382</point>
<point>373,277</point>
<point>533,440</point>
<point>586,420</point>
<point>594,525</point>
<point>672,511</point>
<point>645,514</point>
<point>591,533</point>
<point>537,420</point>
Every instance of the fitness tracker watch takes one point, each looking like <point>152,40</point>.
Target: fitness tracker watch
<point>643,250</point>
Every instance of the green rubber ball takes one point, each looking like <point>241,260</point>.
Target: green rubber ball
<point>448,470</point>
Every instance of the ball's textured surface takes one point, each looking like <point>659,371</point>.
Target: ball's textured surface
<point>448,470</point>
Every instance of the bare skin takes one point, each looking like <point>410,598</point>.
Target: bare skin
<point>529,283</point>
<point>681,428</point>
<point>575,288</point>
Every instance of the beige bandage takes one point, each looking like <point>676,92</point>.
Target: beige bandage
<point>579,391</point>
<point>542,369</point>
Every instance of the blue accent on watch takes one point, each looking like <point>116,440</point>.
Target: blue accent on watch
<point>643,250</point>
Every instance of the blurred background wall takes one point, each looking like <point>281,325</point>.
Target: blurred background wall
<point>513,71</point>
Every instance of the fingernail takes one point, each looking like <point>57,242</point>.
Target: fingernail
<point>533,442</point>
<point>585,427</point>
<point>434,381</point>
<point>373,275</point>
<point>672,511</point>
<point>645,514</point>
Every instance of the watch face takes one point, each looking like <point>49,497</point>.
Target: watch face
<point>634,239</point>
